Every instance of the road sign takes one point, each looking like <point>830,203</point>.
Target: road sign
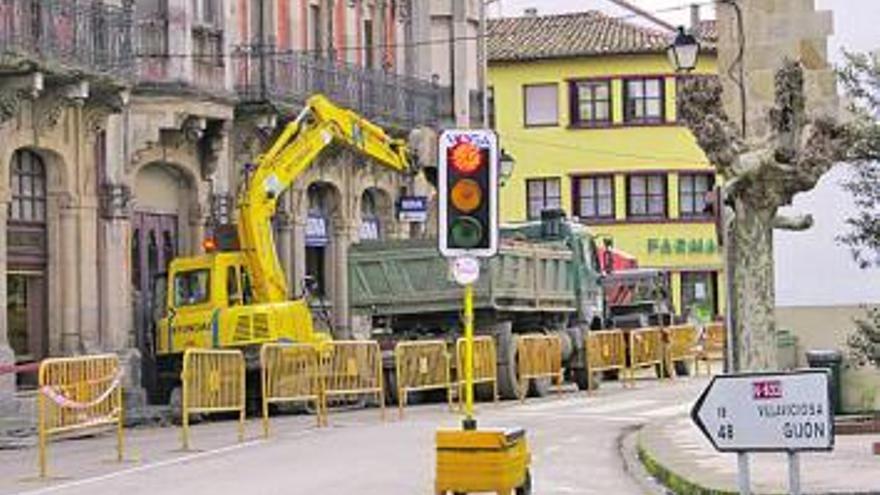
<point>465,270</point>
<point>767,412</point>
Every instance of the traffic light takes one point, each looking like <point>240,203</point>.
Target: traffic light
<point>468,187</point>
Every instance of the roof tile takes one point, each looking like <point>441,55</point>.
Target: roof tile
<point>569,35</point>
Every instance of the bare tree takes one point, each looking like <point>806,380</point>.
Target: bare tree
<point>759,178</point>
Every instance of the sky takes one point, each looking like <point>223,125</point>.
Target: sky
<point>812,268</point>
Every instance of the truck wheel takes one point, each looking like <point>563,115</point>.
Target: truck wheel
<point>390,375</point>
<point>681,368</point>
<point>580,378</point>
<point>508,385</point>
<point>540,387</point>
<point>175,402</point>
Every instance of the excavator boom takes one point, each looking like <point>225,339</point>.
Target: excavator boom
<point>320,125</point>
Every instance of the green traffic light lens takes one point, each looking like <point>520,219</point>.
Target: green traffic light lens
<point>465,233</point>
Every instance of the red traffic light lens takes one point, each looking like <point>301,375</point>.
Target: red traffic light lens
<point>465,158</point>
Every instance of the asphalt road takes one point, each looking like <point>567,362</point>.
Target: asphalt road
<point>573,438</point>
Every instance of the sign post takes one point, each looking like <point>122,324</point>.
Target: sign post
<point>466,271</point>
<point>767,412</point>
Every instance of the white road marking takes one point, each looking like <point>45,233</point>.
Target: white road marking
<point>666,411</point>
<point>617,406</point>
<point>146,467</point>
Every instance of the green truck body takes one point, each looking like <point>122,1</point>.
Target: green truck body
<point>544,279</point>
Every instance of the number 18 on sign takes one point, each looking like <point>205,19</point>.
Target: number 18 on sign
<point>767,412</point>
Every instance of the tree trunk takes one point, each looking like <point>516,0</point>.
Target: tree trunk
<point>755,301</point>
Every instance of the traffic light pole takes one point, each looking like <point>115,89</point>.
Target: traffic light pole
<point>469,423</point>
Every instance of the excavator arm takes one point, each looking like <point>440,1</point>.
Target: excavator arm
<point>320,125</point>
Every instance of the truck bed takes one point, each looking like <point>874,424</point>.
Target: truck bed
<point>409,277</point>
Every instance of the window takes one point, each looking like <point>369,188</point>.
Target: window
<point>643,100</point>
<point>191,287</point>
<point>317,32</point>
<point>232,293</point>
<point>646,196</point>
<point>490,103</point>
<point>541,105</point>
<point>206,12</point>
<point>369,50</point>
<point>594,197</point>
<point>28,188</point>
<point>591,102</point>
<point>207,48</point>
<point>542,194</point>
<point>692,192</point>
<point>698,294</point>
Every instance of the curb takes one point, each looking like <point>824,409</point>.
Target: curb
<point>675,483</point>
<point>679,485</point>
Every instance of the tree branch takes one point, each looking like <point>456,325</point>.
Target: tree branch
<point>702,112</point>
<point>796,223</point>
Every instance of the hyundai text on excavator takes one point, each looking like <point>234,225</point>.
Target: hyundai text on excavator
<point>236,295</point>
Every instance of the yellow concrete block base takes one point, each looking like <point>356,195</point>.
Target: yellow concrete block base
<point>480,461</point>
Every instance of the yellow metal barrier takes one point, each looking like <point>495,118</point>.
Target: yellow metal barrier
<point>606,350</point>
<point>713,346</point>
<point>538,356</point>
<point>78,393</point>
<point>421,365</point>
<point>353,368</point>
<point>213,381</point>
<point>291,373</point>
<point>645,350</point>
<point>681,345</point>
<point>485,364</point>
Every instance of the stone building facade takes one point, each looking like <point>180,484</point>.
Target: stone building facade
<point>123,145</point>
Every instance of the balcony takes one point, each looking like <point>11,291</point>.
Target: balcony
<point>66,37</point>
<point>157,66</point>
<point>288,78</point>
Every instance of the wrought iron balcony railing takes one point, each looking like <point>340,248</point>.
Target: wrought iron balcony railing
<point>263,73</point>
<point>157,65</point>
<point>86,37</point>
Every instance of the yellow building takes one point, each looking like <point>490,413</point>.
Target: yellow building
<point>586,104</point>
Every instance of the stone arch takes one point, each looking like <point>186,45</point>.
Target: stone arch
<point>58,183</point>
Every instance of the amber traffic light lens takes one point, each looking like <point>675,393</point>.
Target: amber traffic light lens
<point>466,158</point>
<point>465,233</point>
<point>466,195</point>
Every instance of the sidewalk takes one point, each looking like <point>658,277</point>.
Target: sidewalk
<point>675,451</point>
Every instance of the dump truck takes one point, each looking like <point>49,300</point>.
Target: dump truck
<point>544,279</point>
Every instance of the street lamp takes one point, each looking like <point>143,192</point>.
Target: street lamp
<point>506,163</point>
<point>684,51</point>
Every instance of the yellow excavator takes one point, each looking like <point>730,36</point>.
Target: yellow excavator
<point>238,297</point>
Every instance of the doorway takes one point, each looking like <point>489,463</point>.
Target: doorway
<point>27,255</point>
<point>154,240</point>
